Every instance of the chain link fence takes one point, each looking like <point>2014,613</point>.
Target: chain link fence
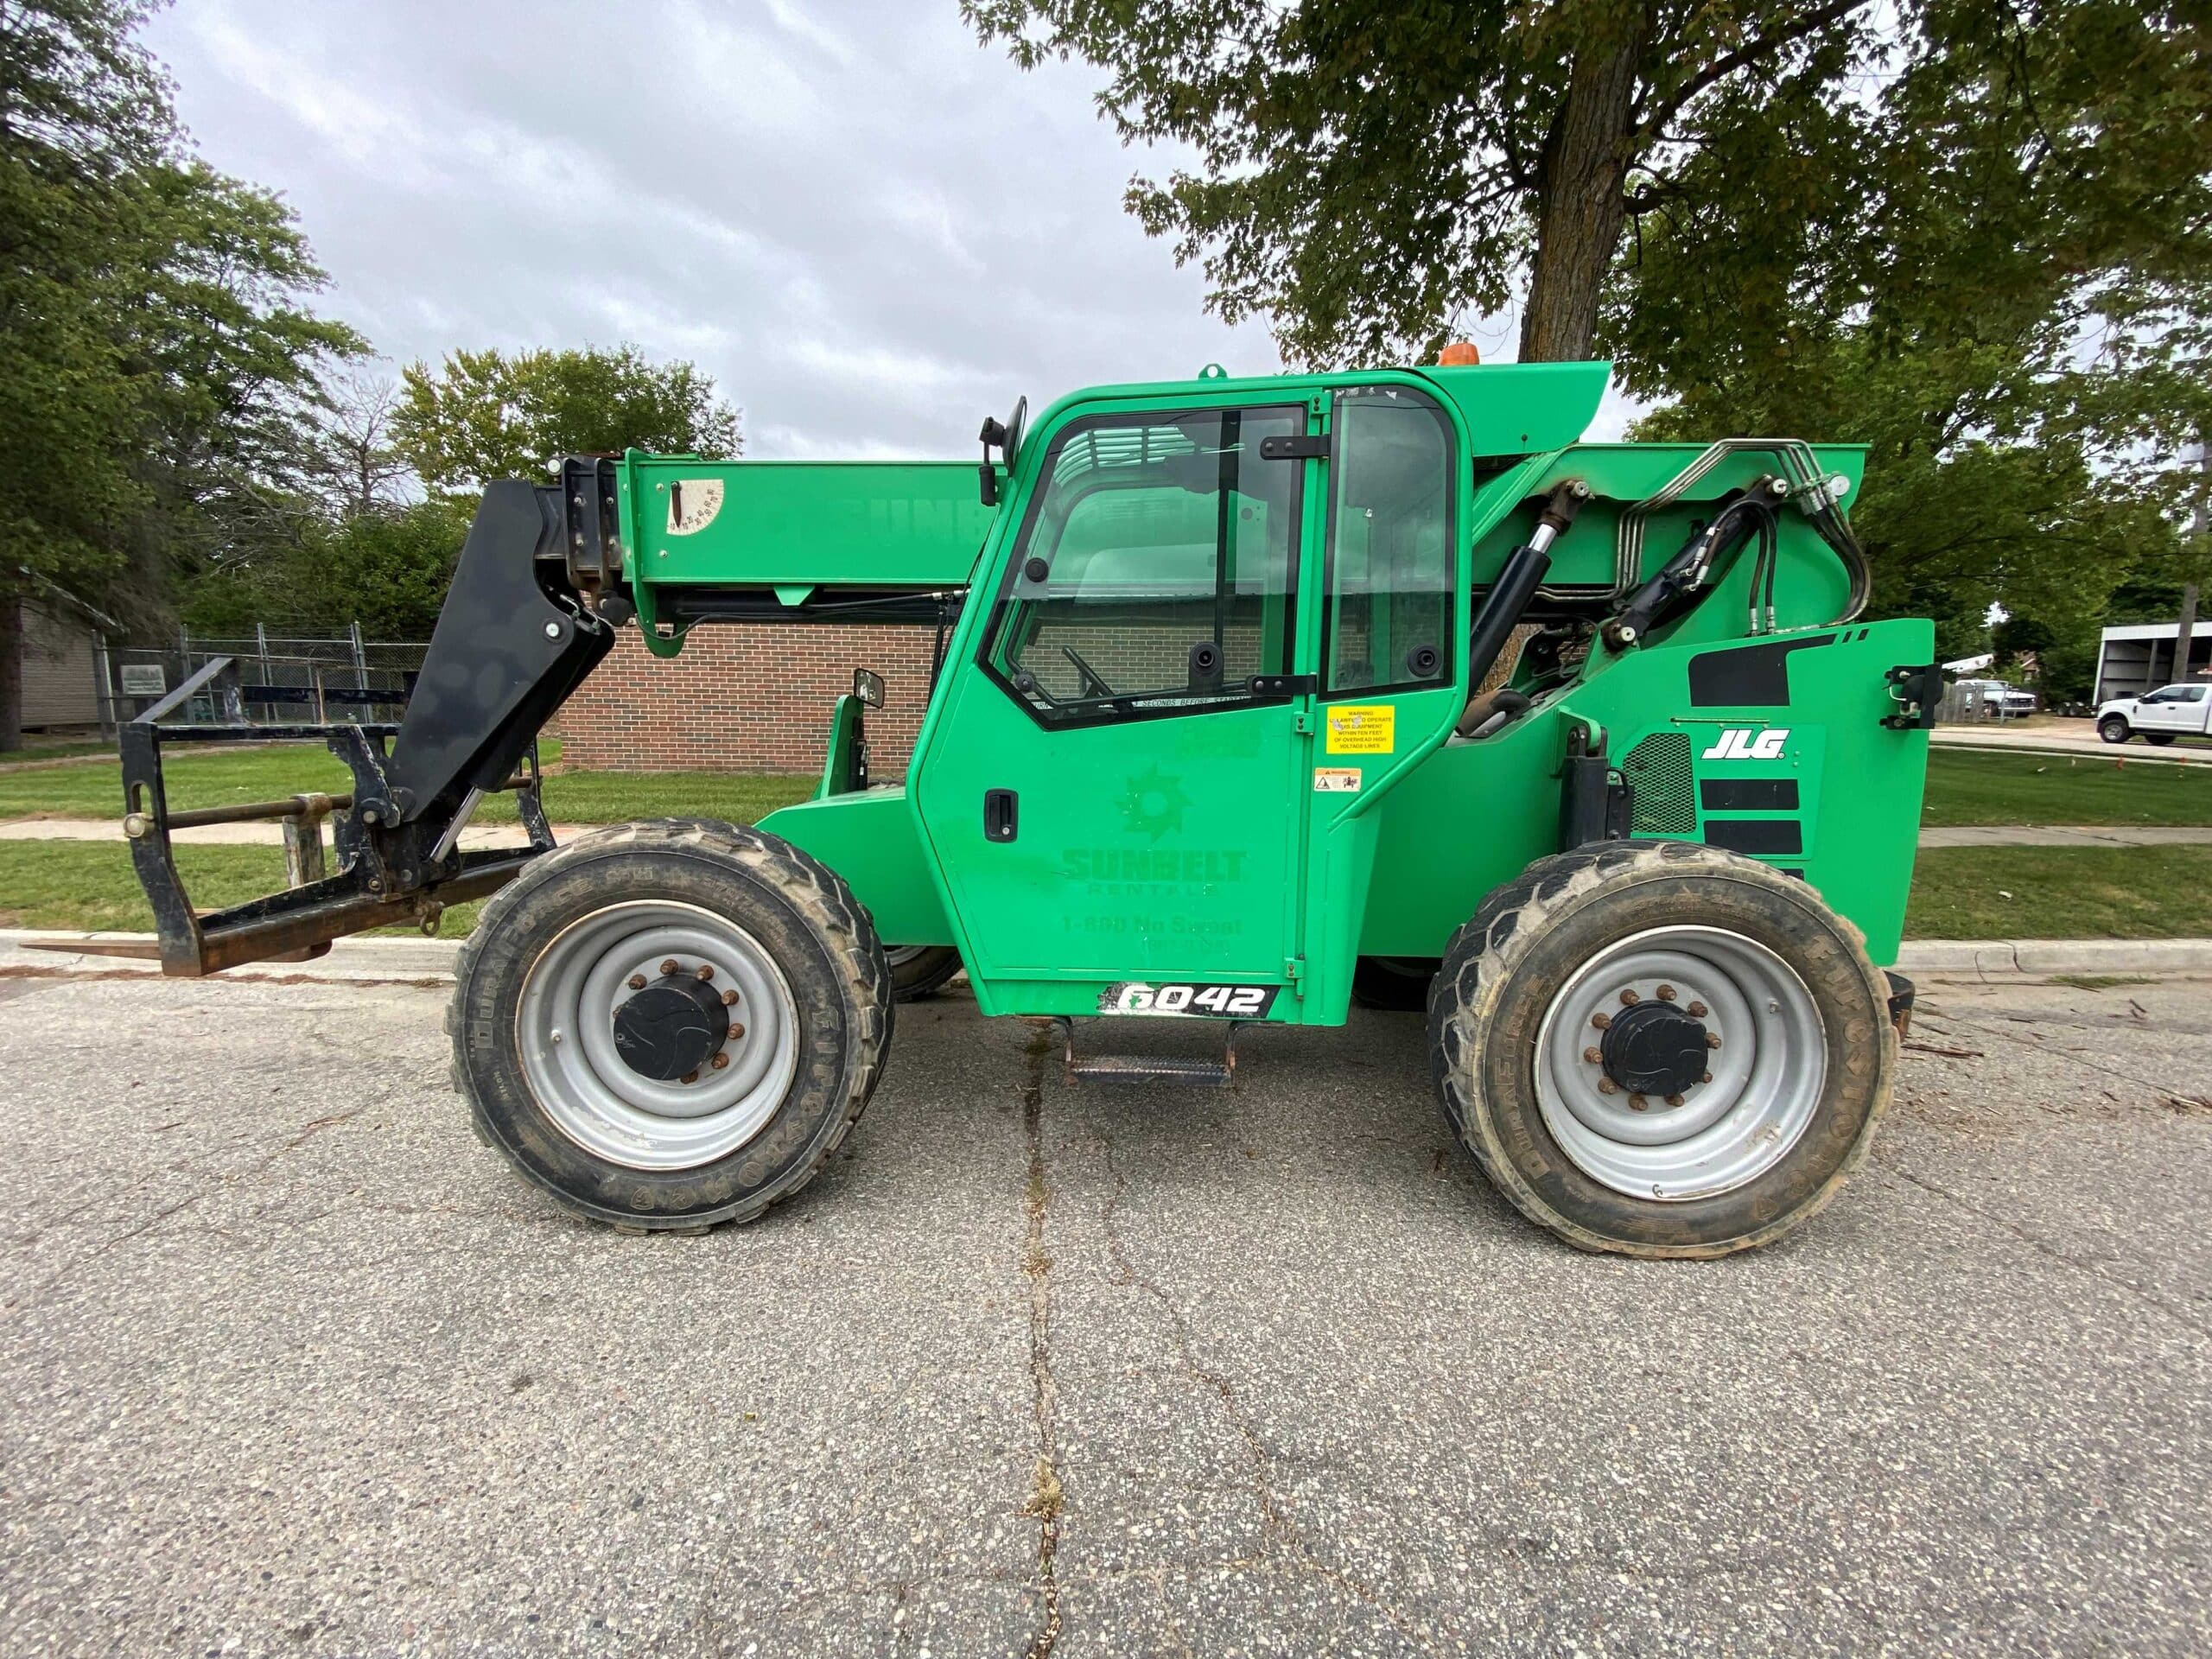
<point>273,680</point>
<point>1984,703</point>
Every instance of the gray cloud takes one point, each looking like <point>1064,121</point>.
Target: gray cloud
<point>869,229</point>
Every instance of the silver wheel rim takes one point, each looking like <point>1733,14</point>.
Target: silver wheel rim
<point>1766,1074</point>
<point>564,1030</point>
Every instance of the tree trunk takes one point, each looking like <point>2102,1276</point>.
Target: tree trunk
<point>1582,201</point>
<point>12,668</point>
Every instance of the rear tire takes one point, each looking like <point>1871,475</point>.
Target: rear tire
<point>798,986</point>
<point>1531,987</point>
<point>918,970</point>
<point>2113,728</point>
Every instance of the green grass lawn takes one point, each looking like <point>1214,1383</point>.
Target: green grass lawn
<point>2062,893</point>
<point>1958,893</point>
<point>1962,789</point>
<point>220,777</point>
<point>90,885</point>
<point>37,748</point>
<point>1981,788</point>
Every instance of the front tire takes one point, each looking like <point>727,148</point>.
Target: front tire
<point>2113,728</point>
<point>671,1097</point>
<point>1736,991</point>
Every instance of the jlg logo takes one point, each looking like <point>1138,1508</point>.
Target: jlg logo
<point>1740,743</point>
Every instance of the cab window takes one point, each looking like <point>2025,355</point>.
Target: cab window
<point>1154,573</point>
<point>1390,616</point>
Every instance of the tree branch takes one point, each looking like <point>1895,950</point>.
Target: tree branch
<point>1729,62</point>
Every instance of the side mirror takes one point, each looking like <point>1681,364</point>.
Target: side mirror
<point>994,437</point>
<point>868,686</point>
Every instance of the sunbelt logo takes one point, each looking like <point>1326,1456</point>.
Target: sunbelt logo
<point>1742,743</point>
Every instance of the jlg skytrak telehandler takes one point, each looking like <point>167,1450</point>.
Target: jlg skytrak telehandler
<point>1214,735</point>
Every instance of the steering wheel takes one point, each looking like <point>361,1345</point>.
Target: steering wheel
<point>1092,685</point>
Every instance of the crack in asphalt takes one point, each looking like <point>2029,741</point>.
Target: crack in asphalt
<point>1045,1495</point>
<point>37,1293</point>
<point>1275,1524</point>
<point>2149,1299</point>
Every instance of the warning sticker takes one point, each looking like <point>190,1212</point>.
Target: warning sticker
<point>1336,780</point>
<point>1363,728</point>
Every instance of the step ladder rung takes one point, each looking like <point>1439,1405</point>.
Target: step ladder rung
<point>1150,1068</point>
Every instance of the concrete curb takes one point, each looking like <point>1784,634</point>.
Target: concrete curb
<point>2042,959</point>
<point>351,962</point>
<point>430,961</point>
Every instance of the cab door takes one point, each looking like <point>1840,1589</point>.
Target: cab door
<point>1115,787</point>
<point>2172,709</point>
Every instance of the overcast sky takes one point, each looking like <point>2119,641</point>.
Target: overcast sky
<point>869,229</point>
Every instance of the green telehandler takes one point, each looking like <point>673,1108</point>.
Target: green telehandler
<point>1252,698</point>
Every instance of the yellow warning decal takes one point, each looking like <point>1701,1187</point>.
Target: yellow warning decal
<point>1336,780</point>
<point>1363,728</point>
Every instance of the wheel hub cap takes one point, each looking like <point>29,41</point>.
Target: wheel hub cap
<point>1654,1048</point>
<point>670,1028</point>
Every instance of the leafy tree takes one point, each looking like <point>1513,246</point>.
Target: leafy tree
<point>77,106</point>
<point>1993,270</point>
<point>1370,170</point>
<point>487,415</point>
<point>386,568</point>
<point>156,366</point>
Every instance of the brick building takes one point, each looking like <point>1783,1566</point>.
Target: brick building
<point>745,697</point>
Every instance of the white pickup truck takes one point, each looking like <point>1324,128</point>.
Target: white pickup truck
<point>2157,716</point>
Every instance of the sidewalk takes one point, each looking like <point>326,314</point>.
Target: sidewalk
<point>2054,834</point>
<point>512,835</point>
<point>400,960</point>
<point>250,834</point>
<point>2078,738</point>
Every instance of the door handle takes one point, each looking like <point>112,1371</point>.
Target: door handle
<point>1002,815</point>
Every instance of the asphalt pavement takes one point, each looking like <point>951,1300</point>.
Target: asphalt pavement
<point>294,1366</point>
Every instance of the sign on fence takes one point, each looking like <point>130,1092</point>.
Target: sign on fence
<point>144,680</point>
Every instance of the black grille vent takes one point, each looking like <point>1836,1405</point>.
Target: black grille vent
<point>1658,769</point>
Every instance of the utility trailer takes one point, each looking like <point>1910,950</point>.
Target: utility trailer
<point>1253,698</point>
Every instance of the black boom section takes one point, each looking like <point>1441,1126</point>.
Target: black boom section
<point>502,657</point>
<point>516,638</point>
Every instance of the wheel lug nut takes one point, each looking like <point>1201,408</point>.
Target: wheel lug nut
<point>1666,993</point>
<point>637,981</point>
<point>1713,1040</point>
<point>736,1031</point>
<point>1672,1100</point>
<point>1593,1055</point>
<point>730,999</point>
<point>1630,999</point>
<point>1607,1086</point>
<point>1707,1077</point>
<point>706,971</point>
<point>719,1061</point>
<point>1601,1020</point>
<point>670,966</point>
<point>690,1077</point>
<point>1697,1010</point>
<point>1639,1103</point>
